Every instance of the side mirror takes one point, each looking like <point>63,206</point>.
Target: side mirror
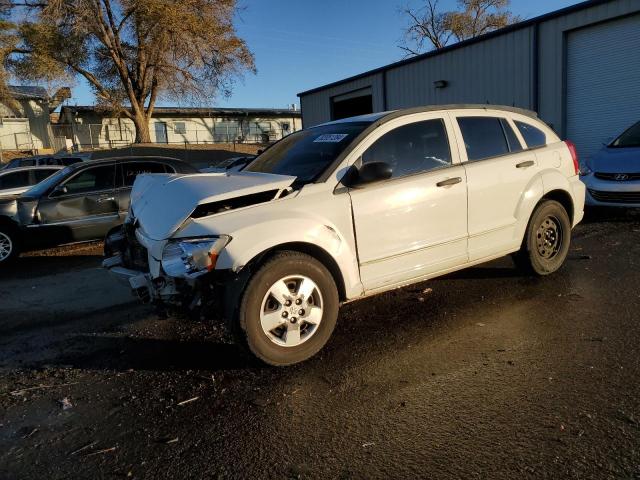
<point>60,190</point>
<point>369,173</point>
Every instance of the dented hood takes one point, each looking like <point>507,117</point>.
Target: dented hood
<point>161,203</point>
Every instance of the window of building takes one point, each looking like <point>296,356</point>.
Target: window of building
<point>483,137</point>
<point>180,128</point>
<point>414,148</point>
<point>534,137</point>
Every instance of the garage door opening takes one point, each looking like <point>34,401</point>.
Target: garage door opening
<point>351,104</point>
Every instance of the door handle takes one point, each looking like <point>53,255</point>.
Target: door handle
<point>528,163</point>
<point>105,199</point>
<point>449,181</point>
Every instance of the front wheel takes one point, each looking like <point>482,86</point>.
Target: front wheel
<point>8,244</point>
<point>289,309</point>
<point>546,243</point>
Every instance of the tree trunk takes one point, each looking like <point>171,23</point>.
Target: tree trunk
<point>141,123</point>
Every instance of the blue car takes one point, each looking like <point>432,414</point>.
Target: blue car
<point>612,175</point>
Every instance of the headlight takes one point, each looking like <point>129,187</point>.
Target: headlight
<point>191,258</point>
<point>584,169</point>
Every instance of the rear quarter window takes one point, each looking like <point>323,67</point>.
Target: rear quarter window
<point>533,136</point>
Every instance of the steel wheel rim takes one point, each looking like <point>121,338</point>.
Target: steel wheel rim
<point>549,237</point>
<point>6,246</point>
<point>291,311</point>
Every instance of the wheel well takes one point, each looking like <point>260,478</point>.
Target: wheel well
<point>316,252</point>
<point>563,198</point>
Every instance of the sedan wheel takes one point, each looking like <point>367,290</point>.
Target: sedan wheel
<point>8,244</point>
<point>288,309</point>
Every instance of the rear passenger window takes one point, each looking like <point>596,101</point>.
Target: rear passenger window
<point>15,180</point>
<point>483,137</point>
<point>512,140</point>
<point>414,148</point>
<point>131,170</point>
<point>534,137</point>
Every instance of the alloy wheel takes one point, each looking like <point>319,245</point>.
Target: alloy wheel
<point>291,311</point>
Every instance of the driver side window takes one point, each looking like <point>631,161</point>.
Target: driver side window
<point>414,148</point>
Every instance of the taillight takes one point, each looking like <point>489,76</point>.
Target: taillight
<point>574,155</point>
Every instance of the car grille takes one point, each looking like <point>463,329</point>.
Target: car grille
<point>612,176</point>
<point>615,197</point>
<point>135,256</point>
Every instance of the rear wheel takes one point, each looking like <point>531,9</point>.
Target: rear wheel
<point>289,309</point>
<point>9,250</point>
<point>546,243</point>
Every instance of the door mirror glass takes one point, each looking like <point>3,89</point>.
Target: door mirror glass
<point>369,173</point>
<point>60,190</point>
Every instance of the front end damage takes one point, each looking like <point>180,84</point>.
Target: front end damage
<point>173,271</point>
<point>129,260</point>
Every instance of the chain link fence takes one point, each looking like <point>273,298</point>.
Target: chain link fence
<point>109,136</point>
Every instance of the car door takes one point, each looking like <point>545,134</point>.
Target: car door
<point>414,223</point>
<point>127,173</point>
<point>84,206</point>
<point>498,172</point>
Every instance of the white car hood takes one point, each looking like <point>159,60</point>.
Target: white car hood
<point>161,203</point>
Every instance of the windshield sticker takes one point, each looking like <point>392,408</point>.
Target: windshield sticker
<point>331,138</point>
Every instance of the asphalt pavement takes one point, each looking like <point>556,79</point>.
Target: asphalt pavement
<point>485,373</point>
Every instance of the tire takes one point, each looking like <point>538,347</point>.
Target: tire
<point>288,309</point>
<point>9,244</point>
<point>547,240</point>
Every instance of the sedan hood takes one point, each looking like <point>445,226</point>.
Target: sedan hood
<point>616,160</point>
<point>161,203</point>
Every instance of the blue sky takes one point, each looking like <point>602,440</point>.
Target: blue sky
<point>302,44</point>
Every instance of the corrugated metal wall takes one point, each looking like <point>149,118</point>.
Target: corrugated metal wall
<point>500,69</point>
<point>496,71</point>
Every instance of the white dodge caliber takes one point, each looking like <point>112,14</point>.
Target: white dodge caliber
<point>348,209</point>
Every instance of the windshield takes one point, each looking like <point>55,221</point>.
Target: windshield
<point>308,153</point>
<point>43,187</point>
<point>630,138</point>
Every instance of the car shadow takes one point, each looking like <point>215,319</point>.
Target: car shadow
<point>610,214</point>
<point>126,353</point>
<point>29,267</point>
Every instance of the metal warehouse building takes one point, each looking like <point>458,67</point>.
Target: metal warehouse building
<point>578,67</point>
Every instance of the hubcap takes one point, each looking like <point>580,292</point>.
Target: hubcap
<point>549,237</point>
<point>291,311</point>
<point>6,246</point>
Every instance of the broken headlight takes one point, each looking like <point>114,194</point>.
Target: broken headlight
<point>190,258</point>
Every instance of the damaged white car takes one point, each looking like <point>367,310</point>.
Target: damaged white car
<point>348,209</point>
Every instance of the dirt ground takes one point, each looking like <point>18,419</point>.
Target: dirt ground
<point>485,373</point>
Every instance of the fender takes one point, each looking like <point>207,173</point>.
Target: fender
<point>261,228</point>
<point>543,183</point>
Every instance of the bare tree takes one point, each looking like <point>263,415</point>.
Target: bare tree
<point>429,27</point>
<point>131,52</point>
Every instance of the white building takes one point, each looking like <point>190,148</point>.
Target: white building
<point>24,122</point>
<point>92,127</point>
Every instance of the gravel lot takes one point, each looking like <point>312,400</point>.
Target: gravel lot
<point>482,374</point>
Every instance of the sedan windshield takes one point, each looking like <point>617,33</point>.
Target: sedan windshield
<point>308,153</point>
<point>630,138</point>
